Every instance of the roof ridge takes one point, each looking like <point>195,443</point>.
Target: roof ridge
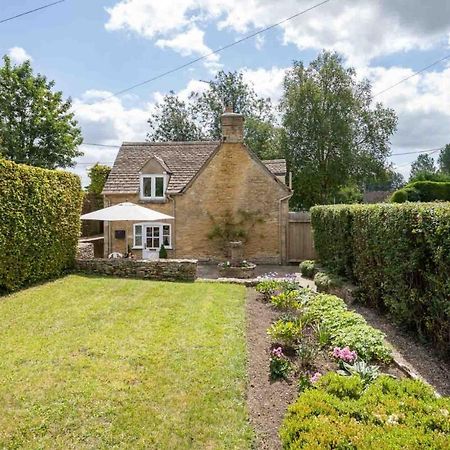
<point>168,143</point>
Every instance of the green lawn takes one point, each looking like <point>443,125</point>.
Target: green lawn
<point>111,363</point>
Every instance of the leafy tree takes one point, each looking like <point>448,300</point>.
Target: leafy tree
<point>333,136</point>
<point>173,121</point>
<point>36,125</point>
<point>199,118</point>
<point>389,180</point>
<point>422,167</point>
<point>98,175</point>
<point>444,160</point>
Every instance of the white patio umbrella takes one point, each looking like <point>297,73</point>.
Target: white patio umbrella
<point>126,211</point>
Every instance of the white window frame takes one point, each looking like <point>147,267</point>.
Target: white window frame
<point>144,226</point>
<point>153,186</point>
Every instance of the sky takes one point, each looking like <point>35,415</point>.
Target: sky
<point>94,48</point>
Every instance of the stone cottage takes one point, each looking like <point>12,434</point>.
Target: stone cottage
<point>212,189</point>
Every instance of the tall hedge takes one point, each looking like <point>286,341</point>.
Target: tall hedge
<point>423,191</point>
<point>39,223</point>
<point>399,254</point>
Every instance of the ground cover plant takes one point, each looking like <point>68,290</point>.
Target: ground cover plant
<point>90,362</point>
<point>350,396</point>
<point>398,255</point>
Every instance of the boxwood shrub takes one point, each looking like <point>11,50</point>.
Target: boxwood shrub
<point>40,223</point>
<point>389,414</point>
<point>399,256</point>
<point>423,191</point>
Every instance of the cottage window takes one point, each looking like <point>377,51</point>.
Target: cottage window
<point>152,235</point>
<point>153,187</point>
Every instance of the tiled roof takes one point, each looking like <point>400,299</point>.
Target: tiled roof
<point>182,159</point>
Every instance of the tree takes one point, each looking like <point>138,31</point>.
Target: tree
<point>333,135</point>
<point>422,168</point>
<point>36,125</point>
<point>98,175</point>
<point>199,118</point>
<point>173,121</point>
<point>444,160</point>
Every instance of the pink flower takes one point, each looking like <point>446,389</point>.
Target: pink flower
<point>278,352</point>
<point>345,354</point>
<point>314,378</point>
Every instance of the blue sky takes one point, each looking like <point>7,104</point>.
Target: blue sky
<point>94,48</point>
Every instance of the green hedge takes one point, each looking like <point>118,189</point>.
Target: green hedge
<point>40,223</point>
<point>340,413</point>
<point>398,254</point>
<point>422,191</point>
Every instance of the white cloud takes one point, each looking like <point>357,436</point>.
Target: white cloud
<point>18,55</point>
<point>360,30</point>
<point>266,82</point>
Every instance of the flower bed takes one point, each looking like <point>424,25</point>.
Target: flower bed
<point>329,351</point>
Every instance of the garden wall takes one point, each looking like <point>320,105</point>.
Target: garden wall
<point>399,256</point>
<point>39,223</point>
<point>163,269</point>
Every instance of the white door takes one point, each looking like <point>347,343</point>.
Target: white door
<point>152,242</point>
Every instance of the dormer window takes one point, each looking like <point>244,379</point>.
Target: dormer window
<point>153,187</point>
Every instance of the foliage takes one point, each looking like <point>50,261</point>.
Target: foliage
<point>333,136</point>
<point>286,333</point>
<point>233,227</point>
<point>444,160</point>
<point>308,268</point>
<point>172,121</point>
<point>36,125</point>
<point>287,300</point>
<point>422,191</point>
<point>366,372</point>
<point>307,351</point>
<point>162,252</point>
<point>389,180</point>
<point>325,281</point>
<point>269,288</point>
<point>424,164</point>
<point>322,334</point>
<point>280,366</point>
<point>98,174</point>
<point>199,117</point>
<point>348,194</point>
<point>347,328</point>
<point>398,255</point>
<point>40,223</point>
<point>101,363</point>
<point>389,414</point>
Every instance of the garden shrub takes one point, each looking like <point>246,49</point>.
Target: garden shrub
<point>284,332</point>
<point>40,223</point>
<point>347,328</point>
<point>325,282</point>
<point>399,257</point>
<point>270,288</point>
<point>423,191</point>
<point>339,412</point>
<point>308,268</point>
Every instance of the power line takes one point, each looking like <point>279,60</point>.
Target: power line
<point>420,151</point>
<point>430,152</point>
<point>207,55</point>
<point>412,75</point>
<point>31,11</point>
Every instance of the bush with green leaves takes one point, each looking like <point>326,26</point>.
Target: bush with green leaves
<point>286,333</point>
<point>423,191</point>
<point>308,268</point>
<point>346,328</point>
<point>280,366</point>
<point>340,412</point>
<point>39,223</point>
<point>399,257</point>
<point>368,373</point>
<point>269,288</point>
<point>326,282</point>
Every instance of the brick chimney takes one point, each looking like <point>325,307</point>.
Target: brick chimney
<point>232,126</point>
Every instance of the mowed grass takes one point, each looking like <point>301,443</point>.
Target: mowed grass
<point>98,363</point>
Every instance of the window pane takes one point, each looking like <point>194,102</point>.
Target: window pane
<point>138,241</point>
<point>156,242</point>
<point>166,230</point>
<point>147,184</point>
<point>166,241</point>
<point>156,231</point>
<point>149,231</point>
<point>159,187</point>
<point>138,230</point>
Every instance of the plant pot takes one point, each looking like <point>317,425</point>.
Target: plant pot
<point>247,271</point>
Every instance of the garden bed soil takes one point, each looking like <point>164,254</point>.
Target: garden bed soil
<point>267,400</point>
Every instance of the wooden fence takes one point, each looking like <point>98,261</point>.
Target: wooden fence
<point>300,240</point>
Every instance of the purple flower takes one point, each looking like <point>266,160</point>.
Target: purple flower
<point>345,354</point>
<point>314,378</point>
<point>278,352</point>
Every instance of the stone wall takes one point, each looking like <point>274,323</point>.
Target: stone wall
<point>163,270</point>
<point>85,250</point>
